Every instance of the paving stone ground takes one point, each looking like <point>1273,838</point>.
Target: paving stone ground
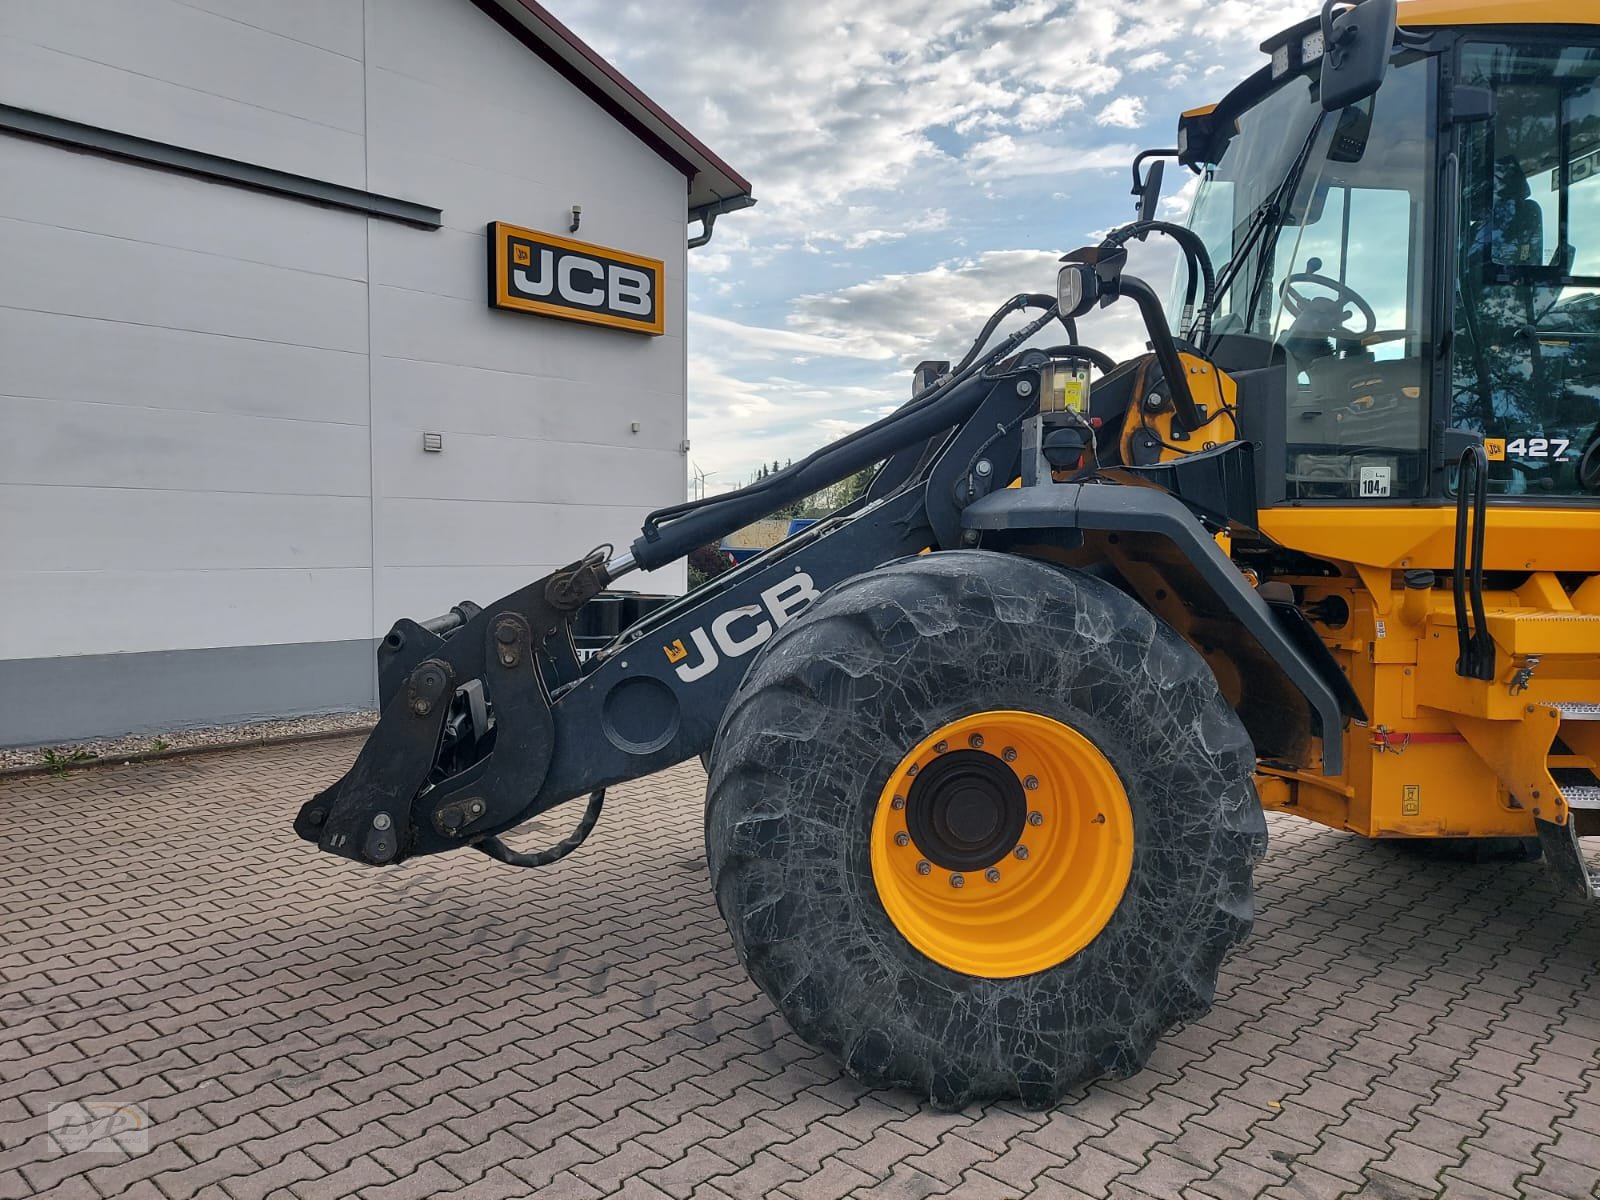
<point>298,1027</point>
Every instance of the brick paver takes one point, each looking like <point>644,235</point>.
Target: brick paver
<point>297,1026</point>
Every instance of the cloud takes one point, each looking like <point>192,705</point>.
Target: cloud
<point>742,421</point>
<point>744,415</point>
<point>823,100</point>
<point>1175,205</point>
<point>1125,112</point>
<point>916,162</point>
<point>736,341</point>
<point>1005,157</point>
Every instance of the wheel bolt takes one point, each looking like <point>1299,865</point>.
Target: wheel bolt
<point>1036,818</point>
<point>924,867</point>
<point>976,741</point>
<point>1009,754</point>
<point>911,770</point>
<point>940,747</point>
<point>958,881</point>
<point>1021,852</point>
<point>897,803</point>
<point>902,838</point>
<point>992,875</point>
<point>1031,783</point>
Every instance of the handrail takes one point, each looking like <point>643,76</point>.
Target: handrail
<point>1476,657</point>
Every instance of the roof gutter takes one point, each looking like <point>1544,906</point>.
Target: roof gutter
<point>707,215</point>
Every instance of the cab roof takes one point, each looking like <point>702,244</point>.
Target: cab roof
<point>1411,14</point>
<point>1496,12</point>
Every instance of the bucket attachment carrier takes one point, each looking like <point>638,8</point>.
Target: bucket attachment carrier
<point>431,682</point>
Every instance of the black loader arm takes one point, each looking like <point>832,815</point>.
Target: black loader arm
<point>650,701</point>
<point>488,719</point>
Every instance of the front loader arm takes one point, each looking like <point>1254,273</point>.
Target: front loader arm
<point>652,700</point>
<point>486,719</point>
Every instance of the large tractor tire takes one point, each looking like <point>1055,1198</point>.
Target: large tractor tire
<point>982,827</point>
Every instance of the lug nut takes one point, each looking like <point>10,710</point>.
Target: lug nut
<point>897,803</point>
<point>940,747</point>
<point>902,838</point>
<point>911,770</point>
<point>1031,783</point>
<point>924,867</point>
<point>976,741</point>
<point>957,881</point>
<point>992,875</point>
<point>1036,818</point>
<point>1021,852</point>
<point>1009,754</point>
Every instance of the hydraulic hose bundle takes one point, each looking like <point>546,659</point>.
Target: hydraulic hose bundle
<point>671,532</point>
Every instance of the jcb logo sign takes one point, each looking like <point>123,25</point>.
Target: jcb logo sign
<point>537,272</point>
<point>740,630</point>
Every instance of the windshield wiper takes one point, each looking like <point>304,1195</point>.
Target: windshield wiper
<point>1268,216</point>
<point>1265,215</point>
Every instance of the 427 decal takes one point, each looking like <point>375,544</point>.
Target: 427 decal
<point>1499,449</point>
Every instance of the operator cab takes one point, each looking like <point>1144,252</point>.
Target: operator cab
<point>1403,282</point>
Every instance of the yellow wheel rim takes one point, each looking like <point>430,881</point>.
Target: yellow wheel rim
<point>974,885</point>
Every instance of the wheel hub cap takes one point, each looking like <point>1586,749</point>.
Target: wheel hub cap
<point>1002,844</point>
<point>966,810</point>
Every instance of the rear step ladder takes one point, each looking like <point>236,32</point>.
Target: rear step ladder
<point>1560,842</point>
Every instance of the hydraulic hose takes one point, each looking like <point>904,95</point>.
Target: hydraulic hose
<point>495,848</point>
<point>968,363</point>
<point>1088,354</point>
<point>946,404</point>
<point>1197,257</point>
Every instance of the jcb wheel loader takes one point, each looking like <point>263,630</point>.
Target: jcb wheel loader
<point>989,747</point>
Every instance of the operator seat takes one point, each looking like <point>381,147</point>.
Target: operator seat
<point>1514,233</point>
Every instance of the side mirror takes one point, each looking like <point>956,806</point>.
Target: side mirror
<point>1148,188</point>
<point>1150,194</point>
<point>1356,45</point>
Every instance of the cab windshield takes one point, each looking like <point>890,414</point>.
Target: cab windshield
<point>1336,287</point>
<point>1328,220</point>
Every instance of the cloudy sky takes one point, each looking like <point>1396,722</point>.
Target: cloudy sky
<point>916,162</point>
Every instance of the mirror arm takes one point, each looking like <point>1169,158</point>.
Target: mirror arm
<point>1139,160</point>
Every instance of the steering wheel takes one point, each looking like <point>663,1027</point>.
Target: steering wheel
<point>1295,302</point>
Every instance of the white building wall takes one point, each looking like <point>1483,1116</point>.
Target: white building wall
<point>212,400</point>
<point>539,464</point>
